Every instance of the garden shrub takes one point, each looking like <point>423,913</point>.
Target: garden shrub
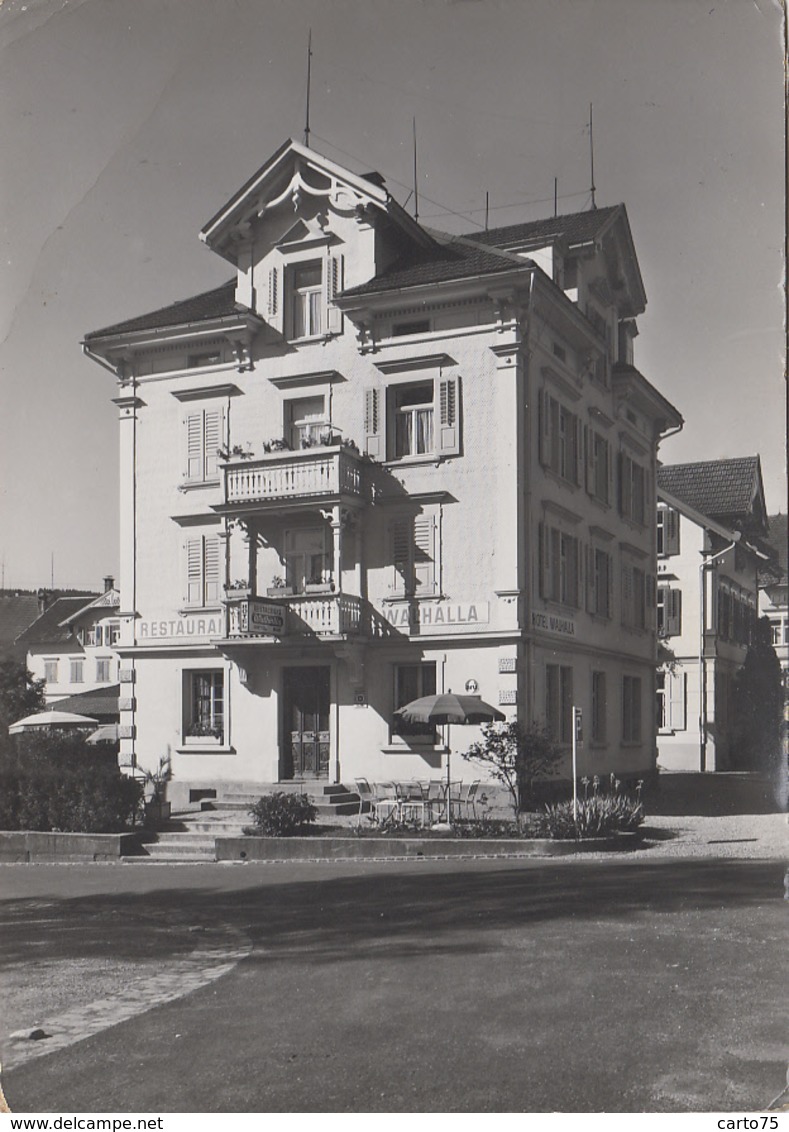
<point>598,816</point>
<point>51,781</point>
<point>282,814</point>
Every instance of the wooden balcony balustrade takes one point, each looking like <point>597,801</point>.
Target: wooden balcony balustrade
<point>320,615</point>
<point>310,474</point>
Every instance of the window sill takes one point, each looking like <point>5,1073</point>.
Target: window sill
<point>192,610</point>
<point>414,748</point>
<point>559,478</point>
<point>205,749</point>
<point>413,461</point>
<point>393,599</point>
<point>193,485</point>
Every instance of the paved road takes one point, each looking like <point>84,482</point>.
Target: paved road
<point>429,986</point>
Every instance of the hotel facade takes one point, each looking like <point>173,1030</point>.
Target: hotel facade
<point>378,463</point>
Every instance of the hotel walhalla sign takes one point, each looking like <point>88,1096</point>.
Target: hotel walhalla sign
<point>550,623</point>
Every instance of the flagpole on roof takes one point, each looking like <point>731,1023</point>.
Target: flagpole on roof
<point>309,75</point>
<point>591,152</point>
<point>416,185</point>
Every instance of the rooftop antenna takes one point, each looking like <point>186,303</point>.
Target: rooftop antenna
<point>591,152</point>
<point>487,208</point>
<point>556,196</point>
<point>416,185</point>
<point>309,75</point>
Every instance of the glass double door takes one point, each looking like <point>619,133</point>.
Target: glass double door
<point>305,746</point>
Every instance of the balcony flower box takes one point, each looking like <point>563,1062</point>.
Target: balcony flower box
<point>319,587</point>
<point>279,591</point>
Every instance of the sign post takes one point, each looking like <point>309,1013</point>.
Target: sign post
<point>578,739</point>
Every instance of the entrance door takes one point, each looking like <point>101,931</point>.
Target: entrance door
<point>306,723</point>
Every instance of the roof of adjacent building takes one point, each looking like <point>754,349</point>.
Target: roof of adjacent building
<point>47,628</point>
<point>17,610</point>
<point>573,227</point>
<point>216,303</point>
<point>778,539</point>
<point>100,703</point>
<point>721,489</point>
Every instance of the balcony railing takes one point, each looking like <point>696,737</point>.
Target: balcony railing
<point>310,474</point>
<point>329,615</point>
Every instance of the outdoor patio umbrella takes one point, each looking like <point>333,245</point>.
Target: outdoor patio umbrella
<point>448,708</point>
<point>51,718</point>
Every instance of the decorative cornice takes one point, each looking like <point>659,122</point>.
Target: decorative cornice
<point>315,377</point>
<point>195,393</point>
<point>424,361</point>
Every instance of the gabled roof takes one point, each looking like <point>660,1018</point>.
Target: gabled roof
<point>220,302</point>
<point>48,629</point>
<point>110,599</point>
<point>729,490</point>
<point>100,703</point>
<point>452,258</point>
<point>573,227</point>
<point>17,610</point>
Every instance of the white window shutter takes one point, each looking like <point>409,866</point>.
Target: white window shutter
<point>401,546</point>
<point>211,569</point>
<point>545,428</point>
<point>374,423</point>
<point>676,707</point>
<point>194,571</point>
<point>335,265</point>
<point>673,613</point>
<point>670,531</point>
<point>424,554</point>
<point>193,428</point>
<point>273,292</point>
<point>213,441</point>
<point>447,411</point>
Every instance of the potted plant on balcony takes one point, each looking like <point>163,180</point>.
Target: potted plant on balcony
<point>276,444</point>
<point>238,588</point>
<point>278,588</point>
<point>322,587</point>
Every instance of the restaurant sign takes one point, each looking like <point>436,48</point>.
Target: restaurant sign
<point>266,618</point>
<point>552,623</point>
<point>181,627</point>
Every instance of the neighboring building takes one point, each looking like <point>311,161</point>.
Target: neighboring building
<point>72,644</point>
<point>19,609</point>
<point>437,472</point>
<point>711,523</point>
<point>774,594</point>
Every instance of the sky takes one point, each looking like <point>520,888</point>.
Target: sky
<point>125,126</point>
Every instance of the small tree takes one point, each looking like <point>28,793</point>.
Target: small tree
<point>517,757</point>
<point>20,694</point>
<point>758,700</point>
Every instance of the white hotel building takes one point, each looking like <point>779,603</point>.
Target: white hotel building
<point>437,471</point>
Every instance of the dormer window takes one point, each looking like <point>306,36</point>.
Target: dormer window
<point>307,300</point>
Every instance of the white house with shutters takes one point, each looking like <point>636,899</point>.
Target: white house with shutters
<point>381,462</point>
<point>711,521</point>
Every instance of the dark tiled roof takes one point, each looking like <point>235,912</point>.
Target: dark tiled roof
<point>17,610</point>
<point>47,630</point>
<point>218,303</point>
<point>717,488</point>
<point>449,260</point>
<point>101,703</point>
<point>575,227</point>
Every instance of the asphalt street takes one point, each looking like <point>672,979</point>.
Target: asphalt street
<point>471,986</point>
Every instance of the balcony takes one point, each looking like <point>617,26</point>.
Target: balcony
<point>327,615</point>
<point>308,477</point>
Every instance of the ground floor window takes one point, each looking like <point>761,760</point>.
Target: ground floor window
<point>631,709</point>
<point>204,707</point>
<point>670,701</point>
<point>559,702</point>
<point>77,671</point>
<point>412,681</point>
<point>103,665</point>
<point>598,708</point>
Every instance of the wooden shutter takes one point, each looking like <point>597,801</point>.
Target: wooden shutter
<point>194,571</point>
<point>273,292</point>
<point>400,543</point>
<point>542,551</point>
<point>627,595</point>
<point>609,574</point>
<point>673,613</point>
<point>193,427</point>
<point>212,441</point>
<point>423,544</point>
<point>589,451</point>
<point>211,569</point>
<point>651,601</point>
<point>446,411</point>
<point>334,269</point>
<point>676,700</point>
<point>670,531</point>
<point>545,428</point>
<point>591,581</point>
<point>374,423</point>
<point>573,570</point>
<point>577,431</point>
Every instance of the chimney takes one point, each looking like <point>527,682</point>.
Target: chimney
<point>43,600</point>
<point>109,583</point>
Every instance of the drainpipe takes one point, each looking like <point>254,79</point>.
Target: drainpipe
<point>706,565</point>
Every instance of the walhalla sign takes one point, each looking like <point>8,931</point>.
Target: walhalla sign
<point>550,623</point>
<point>438,615</point>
